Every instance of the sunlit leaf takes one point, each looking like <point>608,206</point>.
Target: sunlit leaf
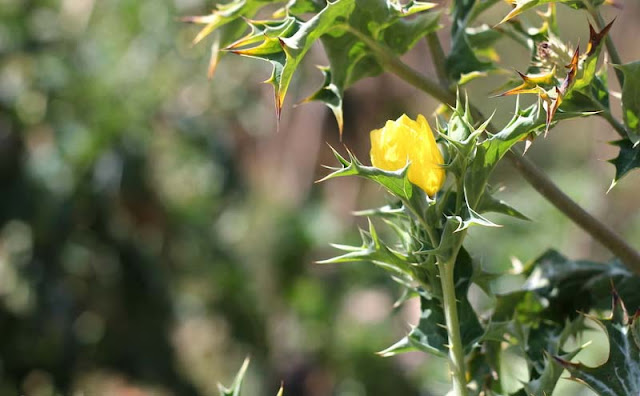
<point>533,83</point>
<point>224,14</point>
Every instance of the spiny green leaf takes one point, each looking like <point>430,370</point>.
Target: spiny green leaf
<point>300,7</point>
<point>483,40</point>
<point>396,182</point>
<point>462,64</point>
<point>286,48</point>
<point>490,204</point>
<point>331,95</point>
<point>430,335</point>
<point>234,390</point>
<point>565,286</point>
<point>224,14</point>
<point>462,60</point>
<point>620,375</point>
<point>386,212</point>
<point>546,383</point>
<point>631,98</point>
<point>628,159</point>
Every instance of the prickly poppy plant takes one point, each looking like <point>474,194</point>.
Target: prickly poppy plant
<point>438,179</point>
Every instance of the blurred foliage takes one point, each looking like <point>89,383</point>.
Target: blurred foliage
<point>134,253</point>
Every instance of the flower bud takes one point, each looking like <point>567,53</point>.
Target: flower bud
<point>406,140</point>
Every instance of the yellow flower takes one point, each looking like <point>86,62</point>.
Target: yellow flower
<point>406,140</point>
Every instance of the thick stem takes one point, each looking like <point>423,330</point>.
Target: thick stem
<point>538,180</point>
<point>615,124</point>
<point>599,231</point>
<point>438,57</point>
<point>456,347</point>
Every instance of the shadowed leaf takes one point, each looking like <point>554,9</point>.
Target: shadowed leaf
<point>620,375</point>
<point>631,98</point>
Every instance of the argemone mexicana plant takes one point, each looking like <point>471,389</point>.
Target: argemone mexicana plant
<point>429,217</point>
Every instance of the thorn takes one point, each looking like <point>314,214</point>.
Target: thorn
<point>527,144</point>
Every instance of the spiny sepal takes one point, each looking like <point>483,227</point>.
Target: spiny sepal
<point>375,251</point>
<point>234,389</point>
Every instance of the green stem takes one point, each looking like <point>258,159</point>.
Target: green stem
<point>614,122</point>
<point>536,178</point>
<point>456,351</point>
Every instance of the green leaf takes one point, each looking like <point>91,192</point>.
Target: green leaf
<point>295,46</point>
<point>462,64</point>
<point>490,204</point>
<point>300,7</point>
<point>483,40</point>
<point>620,375</point>
<point>390,212</point>
<point>557,288</point>
<point>460,11</point>
<point>331,95</point>
<point>462,60</point>
<point>631,99</point>
<point>628,159</point>
<point>430,335</point>
<point>234,390</point>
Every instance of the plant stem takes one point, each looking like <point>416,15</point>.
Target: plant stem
<point>438,57</point>
<point>456,351</point>
<point>599,231</point>
<point>605,113</point>
<point>392,64</point>
<point>538,180</point>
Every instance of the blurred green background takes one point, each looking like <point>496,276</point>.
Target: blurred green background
<point>155,229</point>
